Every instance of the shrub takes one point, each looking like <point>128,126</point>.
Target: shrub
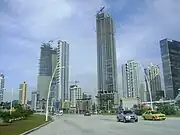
<point>19,113</point>
<point>167,109</point>
<point>5,116</point>
<point>15,114</point>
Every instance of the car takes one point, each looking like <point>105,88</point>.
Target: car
<point>137,112</point>
<point>153,115</point>
<point>87,113</point>
<point>127,116</point>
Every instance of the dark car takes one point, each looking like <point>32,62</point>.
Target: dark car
<point>87,113</point>
<point>138,112</point>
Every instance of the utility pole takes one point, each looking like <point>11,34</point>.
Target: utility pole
<point>78,107</point>
<point>12,101</point>
<point>108,105</point>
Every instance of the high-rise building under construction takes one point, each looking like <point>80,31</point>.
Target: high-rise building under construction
<point>106,61</point>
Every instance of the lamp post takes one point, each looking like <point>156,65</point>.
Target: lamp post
<point>49,91</point>
<point>148,84</point>
<point>12,92</point>
<point>52,104</point>
<point>177,97</point>
<point>108,106</point>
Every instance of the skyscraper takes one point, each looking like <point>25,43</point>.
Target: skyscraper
<point>133,81</point>
<point>63,70</point>
<point>2,81</point>
<point>154,77</point>
<point>47,64</point>
<point>23,93</point>
<point>106,61</point>
<point>170,54</point>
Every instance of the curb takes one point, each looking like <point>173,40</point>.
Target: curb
<point>36,128</point>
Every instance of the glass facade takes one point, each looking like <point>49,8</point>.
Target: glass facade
<point>45,63</point>
<point>170,53</point>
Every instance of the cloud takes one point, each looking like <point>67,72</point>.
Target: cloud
<point>25,24</point>
<point>139,37</point>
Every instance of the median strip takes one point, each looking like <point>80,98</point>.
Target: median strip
<point>25,126</point>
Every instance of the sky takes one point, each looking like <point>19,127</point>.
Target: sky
<point>24,25</point>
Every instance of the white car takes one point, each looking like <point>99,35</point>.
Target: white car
<point>61,112</point>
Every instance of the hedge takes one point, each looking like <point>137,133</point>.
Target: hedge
<point>16,115</point>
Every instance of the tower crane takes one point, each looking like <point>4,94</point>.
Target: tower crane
<point>50,41</point>
<point>101,9</point>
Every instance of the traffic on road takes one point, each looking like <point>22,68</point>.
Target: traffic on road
<point>105,125</point>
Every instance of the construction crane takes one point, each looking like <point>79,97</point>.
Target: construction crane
<point>101,9</point>
<point>50,41</point>
<point>74,82</point>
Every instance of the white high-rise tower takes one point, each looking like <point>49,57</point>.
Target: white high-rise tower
<point>2,81</point>
<point>133,81</point>
<point>63,70</point>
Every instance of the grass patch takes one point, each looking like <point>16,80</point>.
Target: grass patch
<point>18,127</point>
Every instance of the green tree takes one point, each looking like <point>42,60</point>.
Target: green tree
<point>94,107</point>
<point>5,116</point>
<point>166,109</point>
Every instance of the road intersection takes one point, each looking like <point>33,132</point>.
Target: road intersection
<point>105,125</point>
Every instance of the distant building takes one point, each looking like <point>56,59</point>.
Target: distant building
<point>38,105</point>
<point>154,76</point>
<point>2,82</point>
<point>34,96</point>
<point>106,61</point>
<point>75,94</point>
<point>128,103</point>
<point>23,93</point>
<point>87,102</point>
<point>63,71</point>
<point>133,81</point>
<point>170,54</point>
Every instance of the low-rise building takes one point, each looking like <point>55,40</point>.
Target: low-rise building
<point>23,93</point>
<point>34,100</point>
<point>128,103</point>
<point>75,95</point>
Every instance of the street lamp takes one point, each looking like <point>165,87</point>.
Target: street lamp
<point>12,92</point>
<point>50,83</point>
<point>49,91</point>
<point>148,84</point>
<point>52,103</point>
<point>177,97</point>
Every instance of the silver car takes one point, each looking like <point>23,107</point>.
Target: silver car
<point>127,116</point>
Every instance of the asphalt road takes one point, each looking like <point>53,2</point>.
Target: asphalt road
<point>107,125</point>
